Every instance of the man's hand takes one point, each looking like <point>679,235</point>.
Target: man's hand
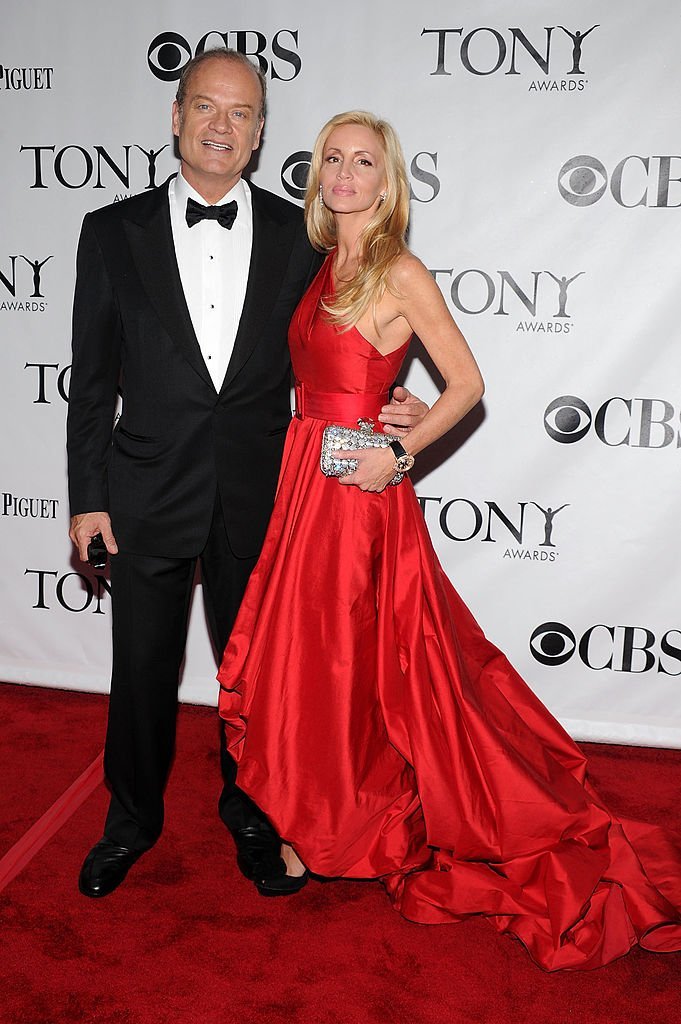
<point>86,526</point>
<point>404,412</point>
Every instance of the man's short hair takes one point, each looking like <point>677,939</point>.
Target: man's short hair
<point>219,53</point>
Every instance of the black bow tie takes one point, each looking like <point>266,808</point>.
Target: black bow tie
<point>225,215</point>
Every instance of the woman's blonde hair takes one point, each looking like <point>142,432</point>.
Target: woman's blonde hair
<point>382,240</point>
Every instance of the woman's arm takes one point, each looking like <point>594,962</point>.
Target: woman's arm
<point>417,301</point>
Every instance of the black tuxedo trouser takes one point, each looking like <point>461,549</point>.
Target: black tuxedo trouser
<point>150,605</point>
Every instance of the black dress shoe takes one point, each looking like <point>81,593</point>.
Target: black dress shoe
<point>285,885</point>
<point>258,852</point>
<point>105,867</point>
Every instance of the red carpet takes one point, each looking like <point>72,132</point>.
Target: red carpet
<point>187,940</point>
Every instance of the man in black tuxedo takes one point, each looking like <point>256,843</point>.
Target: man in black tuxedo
<point>184,295</point>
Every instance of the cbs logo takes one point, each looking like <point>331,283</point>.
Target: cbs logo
<point>169,52</point>
<point>617,648</point>
<point>634,422</point>
<point>635,181</point>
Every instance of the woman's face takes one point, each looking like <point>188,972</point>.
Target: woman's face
<point>352,175</point>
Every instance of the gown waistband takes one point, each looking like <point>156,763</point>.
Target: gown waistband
<point>332,405</point>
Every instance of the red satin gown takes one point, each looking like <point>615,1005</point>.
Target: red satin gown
<point>386,737</point>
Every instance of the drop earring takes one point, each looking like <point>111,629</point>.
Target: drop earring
<point>321,197</point>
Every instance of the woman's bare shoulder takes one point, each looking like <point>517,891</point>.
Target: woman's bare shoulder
<point>408,275</point>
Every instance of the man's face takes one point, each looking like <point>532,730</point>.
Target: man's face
<point>218,126</point>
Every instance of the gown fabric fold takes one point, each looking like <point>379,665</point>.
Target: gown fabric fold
<point>386,737</point>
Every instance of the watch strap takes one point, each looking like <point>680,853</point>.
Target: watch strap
<point>397,448</point>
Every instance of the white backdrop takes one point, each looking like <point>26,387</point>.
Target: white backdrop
<point>545,168</point>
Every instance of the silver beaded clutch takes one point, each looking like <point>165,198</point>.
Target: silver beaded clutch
<point>336,440</point>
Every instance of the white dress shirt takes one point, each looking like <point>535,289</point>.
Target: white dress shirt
<point>213,263</point>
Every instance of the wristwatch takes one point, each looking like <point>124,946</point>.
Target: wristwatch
<point>403,460</point>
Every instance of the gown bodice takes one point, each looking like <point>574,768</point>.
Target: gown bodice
<point>327,359</point>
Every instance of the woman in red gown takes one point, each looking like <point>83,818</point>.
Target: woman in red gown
<point>371,719</point>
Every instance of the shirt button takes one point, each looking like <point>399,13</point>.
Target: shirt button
<point>210,257</point>
<point>212,306</point>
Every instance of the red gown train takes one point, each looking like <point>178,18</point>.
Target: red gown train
<point>386,737</point>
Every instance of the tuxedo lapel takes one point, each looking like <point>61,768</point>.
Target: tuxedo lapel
<point>150,237</point>
<point>269,258</point>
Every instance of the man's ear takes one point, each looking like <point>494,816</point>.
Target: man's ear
<point>177,117</point>
<point>258,134</point>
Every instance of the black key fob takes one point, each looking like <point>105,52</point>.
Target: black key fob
<point>96,552</point>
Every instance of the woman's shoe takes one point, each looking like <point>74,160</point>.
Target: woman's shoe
<point>284,885</point>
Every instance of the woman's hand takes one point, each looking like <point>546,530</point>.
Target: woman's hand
<point>375,470</point>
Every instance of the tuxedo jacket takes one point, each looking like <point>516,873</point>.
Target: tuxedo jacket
<point>178,441</point>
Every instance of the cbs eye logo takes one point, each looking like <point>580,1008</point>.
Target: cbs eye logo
<point>552,643</point>
<point>578,180</point>
<point>167,55</point>
<point>294,172</point>
<point>567,419</point>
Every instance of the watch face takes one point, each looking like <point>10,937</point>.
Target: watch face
<point>404,463</point>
